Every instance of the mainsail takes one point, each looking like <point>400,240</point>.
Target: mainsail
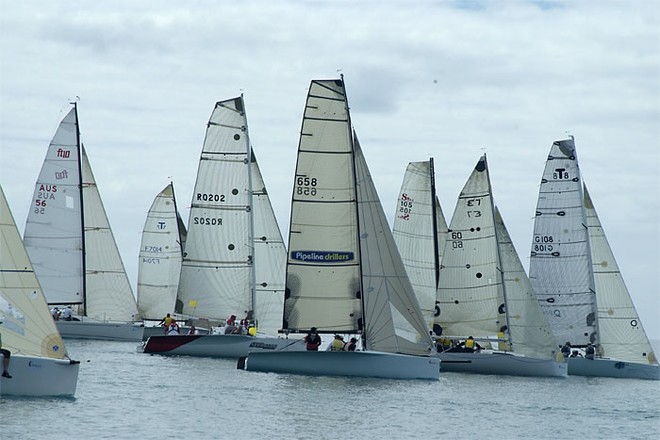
<point>471,291</point>
<point>161,253</point>
<point>344,272</point>
<point>232,229</point>
<point>68,236</point>
<point>560,268</point>
<point>420,246</point>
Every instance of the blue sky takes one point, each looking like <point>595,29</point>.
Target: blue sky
<point>450,80</point>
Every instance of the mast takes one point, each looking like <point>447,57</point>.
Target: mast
<point>82,211</point>
<point>434,219</point>
<point>253,275</point>
<point>361,323</point>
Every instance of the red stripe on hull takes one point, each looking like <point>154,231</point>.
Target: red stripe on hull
<point>160,344</point>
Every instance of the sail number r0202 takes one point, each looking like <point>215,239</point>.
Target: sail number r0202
<point>306,186</point>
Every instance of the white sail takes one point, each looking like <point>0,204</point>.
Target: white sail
<point>57,235</point>
<point>108,293</point>
<point>160,257</point>
<point>622,336</point>
<point>342,254</point>
<point>27,326</point>
<point>393,320</point>
<point>269,257</point>
<point>560,266</point>
<point>470,290</point>
<point>528,329</point>
<point>233,246</point>
<point>323,268</point>
<point>53,231</point>
<point>420,246</point>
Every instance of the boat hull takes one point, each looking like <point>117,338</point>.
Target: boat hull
<point>346,363</point>
<point>501,363</point>
<point>612,368</point>
<point>113,331</point>
<point>160,331</point>
<point>222,346</point>
<point>40,377</point>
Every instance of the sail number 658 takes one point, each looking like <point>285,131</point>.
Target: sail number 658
<point>306,186</point>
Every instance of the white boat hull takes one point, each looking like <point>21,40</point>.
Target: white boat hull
<point>223,346</point>
<point>346,363</point>
<point>40,377</point>
<point>501,363</point>
<point>88,329</point>
<point>612,368</point>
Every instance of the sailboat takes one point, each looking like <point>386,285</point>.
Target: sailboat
<point>420,231</point>
<point>344,273</point>
<point>577,280</point>
<point>484,292</point>
<point>72,248</point>
<point>234,257</point>
<point>159,268</point>
<point>39,363</point>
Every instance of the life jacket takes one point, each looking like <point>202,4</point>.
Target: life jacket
<point>313,341</point>
<point>469,344</point>
<point>337,345</point>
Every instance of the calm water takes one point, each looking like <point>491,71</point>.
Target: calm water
<point>123,394</point>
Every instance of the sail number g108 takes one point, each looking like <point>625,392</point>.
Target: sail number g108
<point>543,243</point>
<point>306,186</point>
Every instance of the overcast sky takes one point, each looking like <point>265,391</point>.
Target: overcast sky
<point>450,79</point>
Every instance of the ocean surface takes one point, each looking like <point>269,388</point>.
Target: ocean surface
<point>123,394</point>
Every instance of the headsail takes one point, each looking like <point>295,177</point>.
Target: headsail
<point>269,257</point>
<point>109,295</point>
<point>621,333</point>
<point>560,267</point>
<point>393,320</point>
<point>27,326</point>
<point>528,328</point>
<point>161,253</point>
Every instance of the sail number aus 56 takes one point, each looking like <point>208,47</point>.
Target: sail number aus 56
<point>306,186</point>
